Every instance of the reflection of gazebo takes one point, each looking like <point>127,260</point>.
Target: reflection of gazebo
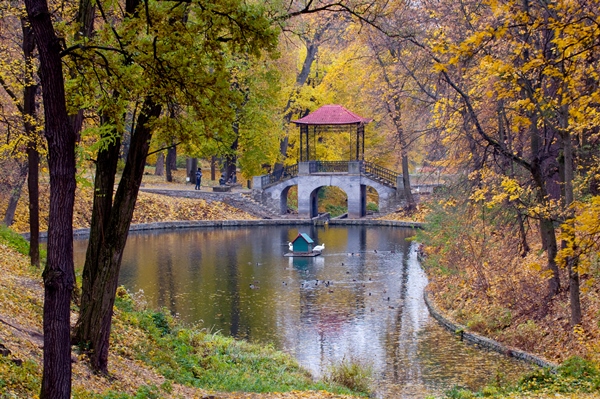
<point>331,119</point>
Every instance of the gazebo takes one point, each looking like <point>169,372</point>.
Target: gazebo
<point>331,119</point>
<point>343,134</point>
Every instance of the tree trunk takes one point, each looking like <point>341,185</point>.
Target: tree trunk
<point>33,156</point>
<point>574,292</point>
<point>15,195</point>
<point>103,262</point>
<point>396,114</point>
<point>547,230</point>
<point>549,241</point>
<point>213,168</point>
<point>85,21</point>
<point>312,49</point>
<point>172,157</point>
<point>191,171</point>
<point>231,160</point>
<point>522,234</point>
<point>548,235</point>
<point>33,162</point>
<point>106,168</point>
<point>59,274</point>
<point>568,176</point>
<point>394,109</point>
<point>171,162</point>
<point>406,182</point>
<point>160,165</point>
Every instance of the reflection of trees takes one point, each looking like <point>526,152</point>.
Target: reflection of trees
<point>233,289</point>
<point>399,347</point>
<point>166,284</point>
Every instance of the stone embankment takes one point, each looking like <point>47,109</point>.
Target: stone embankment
<point>190,224</point>
<point>483,342</point>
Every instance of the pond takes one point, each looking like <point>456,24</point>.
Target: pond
<point>361,300</point>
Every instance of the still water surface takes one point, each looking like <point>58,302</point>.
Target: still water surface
<point>362,299</point>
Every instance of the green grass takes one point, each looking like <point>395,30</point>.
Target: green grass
<point>335,210</point>
<point>143,392</point>
<point>195,357</point>
<point>18,381</point>
<point>574,376</point>
<point>353,375</point>
<point>373,207</point>
<point>14,239</point>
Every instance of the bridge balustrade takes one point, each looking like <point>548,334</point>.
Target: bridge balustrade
<point>286,173</point>
<point>330,167</point>
<point>387,176</point>
<point>384,175</point>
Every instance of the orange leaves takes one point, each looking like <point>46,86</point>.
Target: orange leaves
<point>155,208</point>
<point>149,208</point>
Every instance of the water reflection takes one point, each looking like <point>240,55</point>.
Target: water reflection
<point>361,299</point>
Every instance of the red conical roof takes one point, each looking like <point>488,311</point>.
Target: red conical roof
<point>331,115</point>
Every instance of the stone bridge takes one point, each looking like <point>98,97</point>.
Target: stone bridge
<point>352,177</point>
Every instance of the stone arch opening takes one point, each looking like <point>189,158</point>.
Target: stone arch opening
<point>372,200</point>
<point>331,199</point>
<point>289,200</point>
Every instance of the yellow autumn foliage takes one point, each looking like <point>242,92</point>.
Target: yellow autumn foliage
<point>581,235</point>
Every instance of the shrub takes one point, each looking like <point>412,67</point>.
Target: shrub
<point>352,374</point>
<point>373,207</point>
<point>575,375</point>
<point>18,381</point>
<point>459,393</point>
<point>526,335</point>
<point>477,323</point>
<point>161,322</point>
<point>335,210</point>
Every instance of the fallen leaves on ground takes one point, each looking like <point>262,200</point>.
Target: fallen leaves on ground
<point>149,208</point>
<point>156,208</point>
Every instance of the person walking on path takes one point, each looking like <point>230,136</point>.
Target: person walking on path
<point>198,178</point>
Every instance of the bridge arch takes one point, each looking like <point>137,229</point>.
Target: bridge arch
<point>309,186</point>
<point>314,199</point>
<point>354,182</point>
<point>283,198</point>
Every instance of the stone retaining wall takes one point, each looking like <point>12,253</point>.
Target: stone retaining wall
<point>375,222</point>
<point>484,342</point>
<point>190,224</point>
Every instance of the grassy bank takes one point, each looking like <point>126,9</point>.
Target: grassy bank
<point>152,354</point>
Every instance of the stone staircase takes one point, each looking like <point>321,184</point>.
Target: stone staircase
<point>237,199</point>
<point>245,202</point>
